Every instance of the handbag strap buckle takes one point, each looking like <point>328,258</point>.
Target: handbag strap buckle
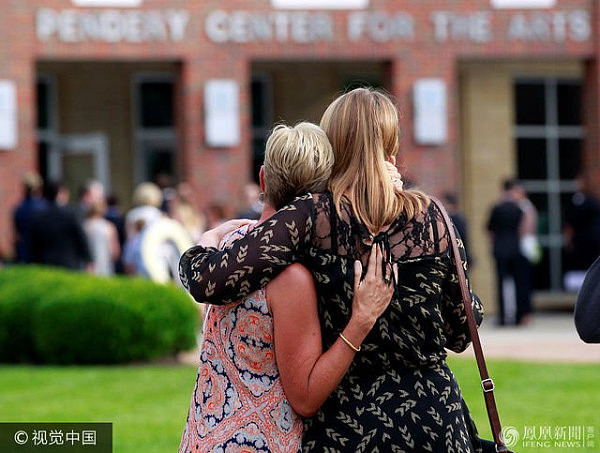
<point>487,385</point>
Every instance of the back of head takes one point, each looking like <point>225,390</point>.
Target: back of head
<point>51,189</point>
<point>508,184</point>
<point>362,126</point>
<point>32,182</point>
<point>147,194</point>
<point>297,160</point>
<point>97,208</point>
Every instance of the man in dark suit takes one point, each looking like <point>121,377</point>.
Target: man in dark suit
<point>57,236</point>
<point>503,225</point>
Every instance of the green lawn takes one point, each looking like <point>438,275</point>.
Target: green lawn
<point>148,404</point>
<point>538,396</point>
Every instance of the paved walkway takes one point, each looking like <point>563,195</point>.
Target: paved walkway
<point>550,337</point>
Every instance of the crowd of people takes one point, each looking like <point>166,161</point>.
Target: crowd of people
<point>94,234</point>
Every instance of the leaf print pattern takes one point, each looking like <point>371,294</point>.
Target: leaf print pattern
<point>398,395</point>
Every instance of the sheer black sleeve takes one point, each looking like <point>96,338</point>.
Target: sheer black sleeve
<point>224,276</point>
<point>455,319</point>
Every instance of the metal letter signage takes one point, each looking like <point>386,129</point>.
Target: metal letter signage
<point>111,25</point>
<point>295,21</point>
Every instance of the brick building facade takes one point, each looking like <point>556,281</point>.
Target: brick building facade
<point>188,87</point>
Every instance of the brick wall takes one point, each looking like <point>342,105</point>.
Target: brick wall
<point>444,34</point>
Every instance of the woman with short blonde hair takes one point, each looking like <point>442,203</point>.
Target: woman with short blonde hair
<point>399,394</point>
<point>298,160</point>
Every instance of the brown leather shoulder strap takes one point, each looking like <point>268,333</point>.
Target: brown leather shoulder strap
<point>486,382</point>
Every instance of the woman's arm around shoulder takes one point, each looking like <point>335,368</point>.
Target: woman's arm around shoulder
<point>224,276</point>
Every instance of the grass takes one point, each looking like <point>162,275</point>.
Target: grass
<point>148,404</point>
<point>535,395</point>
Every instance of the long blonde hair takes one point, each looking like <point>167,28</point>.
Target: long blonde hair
<point>362,126</point>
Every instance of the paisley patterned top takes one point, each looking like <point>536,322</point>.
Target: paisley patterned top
<point>399,394</point>
<point>238,403</point>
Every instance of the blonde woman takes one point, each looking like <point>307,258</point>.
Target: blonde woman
<point>398,394</point>
<point>243,400</point>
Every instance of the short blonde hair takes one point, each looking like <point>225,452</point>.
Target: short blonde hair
<point>298,160</point>
<point>147,194</point>
<point>363,128</point>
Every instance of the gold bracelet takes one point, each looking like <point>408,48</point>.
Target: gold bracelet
<point>354,348</point>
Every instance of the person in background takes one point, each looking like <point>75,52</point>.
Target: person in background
<point>103,239</point>
<point>504,225</point>
<point>581,233</point>
<point>164,181</point>
<point>216,214</point>
<point>529,246</point>
<point>113,215</point>
<point>254,204</point>
<point>459,220</point>
<point>57,236</point>
<point>90,193</point>
<point>32,202</point>
<point>147,199</point>
<point>182,209</point>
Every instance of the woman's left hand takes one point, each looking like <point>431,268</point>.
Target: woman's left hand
<point>212,238</point>
<point>373,294</point>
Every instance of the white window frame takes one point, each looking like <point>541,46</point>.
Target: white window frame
<point>262,131</point>
<point>94,144</point>
<point>553,186</point>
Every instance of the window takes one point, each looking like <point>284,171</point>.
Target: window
<point>548,143</point>
<point>155,135</point>
<point>261,119</point>
<point>156,99</point>
<point>47,135</point>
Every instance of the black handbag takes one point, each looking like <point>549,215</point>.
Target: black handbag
<point>487,384</point>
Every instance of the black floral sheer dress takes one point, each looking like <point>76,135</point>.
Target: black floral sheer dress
<point>399,395</point>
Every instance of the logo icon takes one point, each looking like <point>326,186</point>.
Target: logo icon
<point>510,434</point>
<point>21,437</point>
